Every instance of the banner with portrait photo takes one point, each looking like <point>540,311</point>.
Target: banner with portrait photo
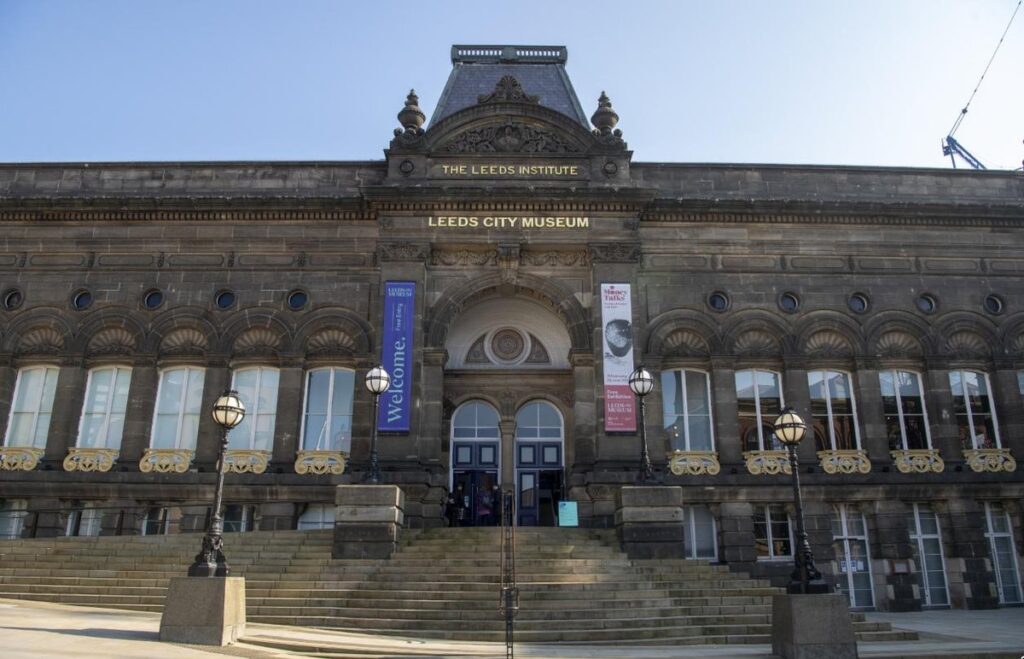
<point>617,348</point>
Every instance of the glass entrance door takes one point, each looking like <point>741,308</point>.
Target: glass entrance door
<point>538,464</point>
<point>475,483</point>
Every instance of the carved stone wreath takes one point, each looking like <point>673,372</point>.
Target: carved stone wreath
<point>510,137</point>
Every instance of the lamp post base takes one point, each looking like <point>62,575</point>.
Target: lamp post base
<point>812,627</point>
<point>210,561</point>
<point>204,611</point>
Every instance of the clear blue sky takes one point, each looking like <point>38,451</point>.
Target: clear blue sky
<point>871,82</point>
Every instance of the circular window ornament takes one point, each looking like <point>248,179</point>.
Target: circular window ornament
<point>224,299</point>
<point>718,301</point>
<point>789,302</point>
<point>926,303</point>
<point>12,299</point>
<point>994,304</point>
<point>81,300</point>
<point>152,299</point>
<point>508,346</point>
<point>858,303</point>
<point>297,299</point>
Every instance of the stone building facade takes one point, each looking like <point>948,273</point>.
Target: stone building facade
<point>881,303</point>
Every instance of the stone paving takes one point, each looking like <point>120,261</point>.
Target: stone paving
<point>34,629</point>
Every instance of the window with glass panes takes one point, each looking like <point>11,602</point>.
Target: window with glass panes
<point>239,518</point>
<point>12,518</point>
<point>975,412</point>
<point>475,420</point>
<point>999,532</point>
<point>833,412</point>
<point>773,536</point>
<point>257,389</point>
<point>29,422</point>
<point>317,516</point>
<point>84,522</point>
<point>759,402</point>
<point>906,422</point>
<point>327,425</point>
<point>538,420</point>
<point>700,540</point>
<point>106,399</point>
<point>686,402</point>
<point>929,562</point>
<point>179,401</point>
<point>850,543</point>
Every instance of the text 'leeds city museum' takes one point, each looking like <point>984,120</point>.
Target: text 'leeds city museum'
<point>510,265</point>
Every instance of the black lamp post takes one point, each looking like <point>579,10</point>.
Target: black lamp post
<point>789,429</point>
<point>228,412</point>
<point>377,382</point>
<point>641,383</point>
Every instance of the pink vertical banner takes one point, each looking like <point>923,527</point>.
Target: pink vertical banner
<point>617,346</point>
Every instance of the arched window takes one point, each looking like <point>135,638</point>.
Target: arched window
<point>833,412</point>
<point>686,398</point>
<point>327,425</point>
<point>106,399</point>
<point>33,404</point>
<point>538,420</point>
<point>906,423</point>
<point>975,410</point>
<point>257,387</point>
<point>179,398</point>
<point>759,402</point>
<point>475,420</point>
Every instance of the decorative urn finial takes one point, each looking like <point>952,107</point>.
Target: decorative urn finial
<point>411,117</point>
<point>604,118</point>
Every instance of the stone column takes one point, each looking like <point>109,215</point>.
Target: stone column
<point>941,419</point>
<point>972,583</point>
<point>873,437</point>
<point>507,428</point>
<point>727,427</point>
<point>218,378</point>
<point>584,411</point>
<point>736,535</point>
<point>67,408</point>
<point>431,409</point>
<point>798,396</point>
<point>287,427</point>
<point>650,521</point>
<point>138,421</point>
<point>368,520</point>
<point>889,539</point>
<point>1009,409</point>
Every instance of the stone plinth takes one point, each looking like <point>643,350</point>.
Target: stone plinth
<point>812,627</point>
<point>204,610</point>
<point>650,521</point>
<point>367,520</point>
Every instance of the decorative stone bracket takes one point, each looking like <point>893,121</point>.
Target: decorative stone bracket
<point>693,463</point>
<point>990,459</point>
<point>845,461</point>
<point>90,459</point>
<point>320,462</point>
<point>19,458</point>
<point>166,460</point>
<point>918,461</point>
<point>246,461</point>
<point>767,462</point>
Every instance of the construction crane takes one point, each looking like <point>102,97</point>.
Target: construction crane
<point>952,148</point>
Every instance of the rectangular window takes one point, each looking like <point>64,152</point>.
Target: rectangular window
<point>85,521</point>
<point>106,399</point>
<point>999,532</point>
<point>773,537</point>
<point>975,413</point>
<point>257,388</point>
<point>317,516</point>
<point>926,544</point>
<point>759,401</point>
<point>686,402</point>
<point>179,399</point>
<point>701,538</point>
<point>328,421</point>
<point>850,543</point>
<point>239,518</point>
<point>906,422</point>
<point>12,518</point>
<point>29,422</point>
<point>834,415</point>
<point>155,522</point>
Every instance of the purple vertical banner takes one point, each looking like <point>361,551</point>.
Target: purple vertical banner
<point>396,355</point>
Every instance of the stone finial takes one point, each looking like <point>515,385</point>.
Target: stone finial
<point>411,117</point>
<point>605,118</point>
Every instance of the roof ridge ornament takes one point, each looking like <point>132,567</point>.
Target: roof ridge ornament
<point>507,90</point>
<point>604,120</point>
<point>411,116</point>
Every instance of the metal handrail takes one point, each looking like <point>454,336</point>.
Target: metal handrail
<point>508,603</point>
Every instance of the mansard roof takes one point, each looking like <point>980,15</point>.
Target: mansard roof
<point>540,70</point>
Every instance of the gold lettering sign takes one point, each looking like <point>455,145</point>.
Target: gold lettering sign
<point>509,170</point>
<point>507,222</point>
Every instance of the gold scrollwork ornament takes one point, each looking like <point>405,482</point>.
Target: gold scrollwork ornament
<point>320,462</point>
<point>845,461</point>
<point>918,461</point>
<point>990,459</point>
<point>246,461</point>
<point>694,463</point>
<point>166,460</point>
<point>19,458</point>
<point>90,459</point>
<point>767,462</point>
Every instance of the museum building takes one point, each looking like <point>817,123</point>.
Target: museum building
<point>510,264</point>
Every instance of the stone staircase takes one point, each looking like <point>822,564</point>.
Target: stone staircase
<point>576,586</point>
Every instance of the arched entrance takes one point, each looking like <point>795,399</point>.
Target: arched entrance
<point>476,462</point>
<point>539,463</point>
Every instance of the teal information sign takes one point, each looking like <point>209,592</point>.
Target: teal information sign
<point>568,515</point>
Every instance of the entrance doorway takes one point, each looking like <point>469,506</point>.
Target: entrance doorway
<point>539,461</point>
<point>476,464</point>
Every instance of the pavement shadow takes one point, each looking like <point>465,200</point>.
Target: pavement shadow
<point>120,634</point>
